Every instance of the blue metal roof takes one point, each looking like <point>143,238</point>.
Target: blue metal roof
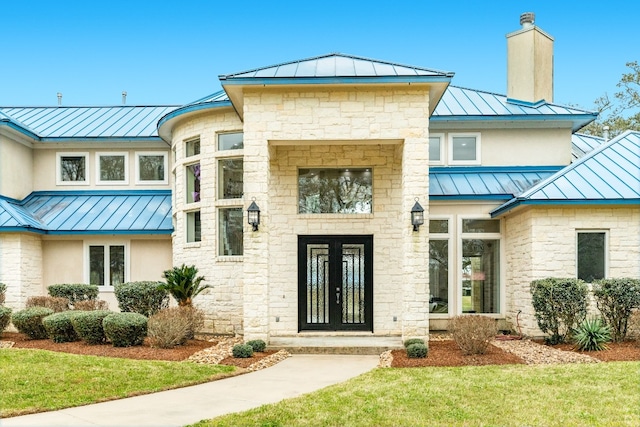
<point>582,144</point>
<point>504,182</point>
<point>89,212</point>
<point>609,174</point>
<point>116,122</point>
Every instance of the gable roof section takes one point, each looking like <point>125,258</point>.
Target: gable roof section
<point>582,144</point>
<point>460,104</point>
<point>609,174</point>
<point>89,212</point>
<point>121,122</point>
<point>487,183</point>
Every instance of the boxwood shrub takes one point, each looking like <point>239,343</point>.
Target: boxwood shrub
<point>410,341</point>
<point>59,327</point>
<point>57,304</point>
<point>88,325</point>
<point>242,351</point>
<point>29,322</point>
<point>616,299</point>
<point>257,345</point>
<point>125,329</point>
<point>416,351</point>
<point>141,297</point>
<point>74,292</point>
<point>5,318</point>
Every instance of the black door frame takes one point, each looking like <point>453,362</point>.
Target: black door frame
<point>335,243</point>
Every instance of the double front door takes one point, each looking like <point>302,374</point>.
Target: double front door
<point>335,283</point>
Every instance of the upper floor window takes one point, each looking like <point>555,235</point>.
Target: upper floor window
<point>436,156</point>
<point>335,191</point>
<point>72,168</point>
<point>591,255</point>
<point>193,183</point>
<point>151,168</point>
<point>464,149</point>
<point>194,227</point>
<point>231,141</point>
<point>112,168</point>
<point>192,147</point>
<point>230,172</point>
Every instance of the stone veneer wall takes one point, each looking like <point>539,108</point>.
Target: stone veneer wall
<point>541,242</point>
<point>21,267</point>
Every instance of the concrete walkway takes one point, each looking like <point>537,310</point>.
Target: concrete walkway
<point>292,377</point>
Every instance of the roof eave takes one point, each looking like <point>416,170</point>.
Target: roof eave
<point>518,202</point>
<point>576,121</point>
<point>166,122</point>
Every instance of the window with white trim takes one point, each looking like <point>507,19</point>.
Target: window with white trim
<point>72,169</point>
<point>107,264</point>
<point>151,168</point>
<point>193,182</point>
<point>230,233</point>
<point>591,255</point>
<point>230,141</point>
<point>192,147</point>
<point>464,148</point>
<point>436,149</point>
<point>230,178</point>
<point>112,168</point>
<point>439,272</point>
<point>194,227</point>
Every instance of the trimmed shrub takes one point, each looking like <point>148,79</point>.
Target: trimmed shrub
<point>74,292</point>
<point>125,329</point>
<point>242,351</point>
<point>59,327</point>
<point>410,341</point>
<point>258,346</point>
<point>560,304</point>
<point>144,298</point>
<point>88,325</point>
<point>171,326</point>
<point>29,322</point>
<point>417,350</point>
<point>3,291</point>
<point>473,333</point>
<point>91,305</point>
<point>616,299</point>
<point>591,335</point>
<point>57,304</point>
<point>5,318</point>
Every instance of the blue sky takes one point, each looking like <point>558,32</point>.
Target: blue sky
<point>165,52</point>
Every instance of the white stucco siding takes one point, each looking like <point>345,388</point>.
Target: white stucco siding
<point>16,168</point>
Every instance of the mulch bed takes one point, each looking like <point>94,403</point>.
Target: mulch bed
<point>626,351</point>
<point>447,353</point>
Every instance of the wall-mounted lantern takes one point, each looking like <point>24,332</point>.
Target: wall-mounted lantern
<point>253,215</point>
<point>417,215</point>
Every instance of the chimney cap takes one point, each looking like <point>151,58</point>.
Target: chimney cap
<point>527,19</point>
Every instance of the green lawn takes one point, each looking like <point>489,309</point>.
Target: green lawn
<point>37,380</point>
<point>605,394</point>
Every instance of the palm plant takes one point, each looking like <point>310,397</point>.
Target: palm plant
<point>183,284</point>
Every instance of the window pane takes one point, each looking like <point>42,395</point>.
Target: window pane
<point>193,147</point>
<point>151,167</point>
<point>480,276</point>
<point>193,227</point>
<point>231,141</point>
<point>230,240</point>
<point>116,265</point>
<point>193,183</point>
<point>72,168</point>
<point>439,276</point>
<point>334,191</point>
<point>438,226</point>
<point>230,178</point>
<point>96,265</point>
<point>464,148</point>
<point>591,256</point>
<point>112,168</point>
<point>434,148</point>
<point>480,225</point>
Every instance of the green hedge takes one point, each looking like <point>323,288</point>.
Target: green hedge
<point>257,345</point>
<point>616,299</point>
<point>29,322</point>
<point>242,351</point>
<point>74,292</point>
<point>560,304</point>
<point>5,318</point>
<point>88,325</point>
<point>59,327</point>
<point>144,298</point>
<point>125,329</point>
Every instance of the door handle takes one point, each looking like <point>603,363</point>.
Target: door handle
<point>337,295</point>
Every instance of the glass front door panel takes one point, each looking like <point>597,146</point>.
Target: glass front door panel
<point>353,279</point>
<point>318,284</point>
<point>480,276</point>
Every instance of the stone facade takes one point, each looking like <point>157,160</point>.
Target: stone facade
<point>21,267</point>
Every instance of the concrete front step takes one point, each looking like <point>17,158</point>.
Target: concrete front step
<point>369,345</point>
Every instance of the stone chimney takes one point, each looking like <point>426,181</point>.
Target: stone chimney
<point>529,63</point>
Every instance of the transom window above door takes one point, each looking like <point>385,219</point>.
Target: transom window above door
<point>338,190</point>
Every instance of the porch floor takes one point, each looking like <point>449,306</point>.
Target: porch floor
<point>335,344</point>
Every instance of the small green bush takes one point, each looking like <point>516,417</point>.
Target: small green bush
<point>125,329</point>
<point>5,318</point>
<point>473,333</point>
<point>29,322</point>
<point>88,325</point>
<point>560,304</point>
<point>417,351</point>
<point>145,298</point>
<point>57,304</point>
<point>74,292</point>
<point>258,346</point>
<point>410,341</point>
<point>591,335</point>
<point>59,327</point>
<point>616,299</point>
<point>242,351</point>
